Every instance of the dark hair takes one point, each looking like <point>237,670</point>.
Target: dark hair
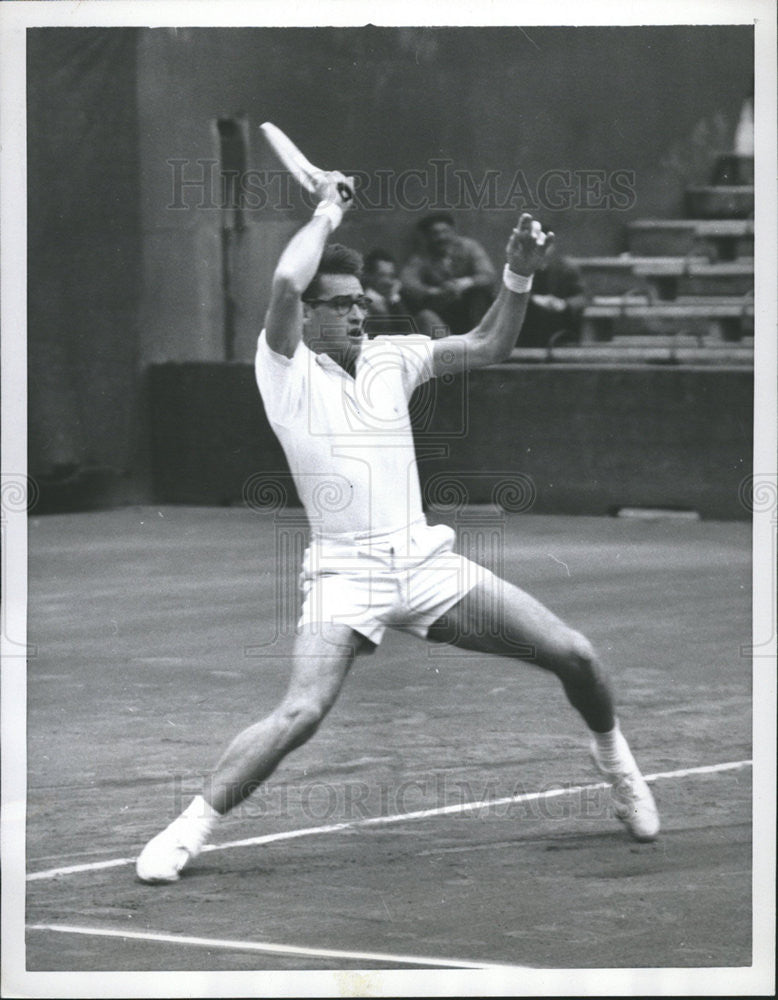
<point>336,259</point>
<point>424,225</point>
<point>374,256</point>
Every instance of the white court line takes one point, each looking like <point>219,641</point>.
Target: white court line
<point>397,818</point>
<point>271,949</point>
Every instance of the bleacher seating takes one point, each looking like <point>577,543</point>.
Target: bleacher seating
<point>712,318</point>
<point>716,239</point>
<point>725,201</point>
<point>684,291</point>
<point>666,277</point>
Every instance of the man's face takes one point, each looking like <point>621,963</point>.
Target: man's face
<point>382,277</point>
<point>333,321</point>
<point>440,238</point>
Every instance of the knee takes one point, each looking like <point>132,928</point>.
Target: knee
<point>297,721</point>
<point>580,663</point>
<point>581,650</point>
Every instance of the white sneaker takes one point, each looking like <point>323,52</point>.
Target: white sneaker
<point>632,799</point>
<point>165,856</point>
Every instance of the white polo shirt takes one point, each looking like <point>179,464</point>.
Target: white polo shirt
<point>348,441</point>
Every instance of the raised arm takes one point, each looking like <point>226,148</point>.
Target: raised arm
<point>298,265</point>
<point>495,336</point>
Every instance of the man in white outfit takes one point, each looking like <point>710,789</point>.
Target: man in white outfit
<point>339,405</point>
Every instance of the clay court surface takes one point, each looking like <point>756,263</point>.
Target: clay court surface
<point>157,638</point>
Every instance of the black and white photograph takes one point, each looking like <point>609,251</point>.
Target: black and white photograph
<point>389,499</point>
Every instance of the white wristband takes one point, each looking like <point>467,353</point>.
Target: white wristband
<point>518,283</point>
<point>333,212</point>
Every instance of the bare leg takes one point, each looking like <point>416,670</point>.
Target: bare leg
<point>498,617</point>
<point>320,662</point>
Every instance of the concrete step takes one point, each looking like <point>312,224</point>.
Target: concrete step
<point>743,302</point>
<point>692,305</point>
<point>731,278</point>
<point>722,355</point>
<point>721,201</point>
<point>725,320</point>
<point>716,239</point>
<point>666,277</point>
<point>617,275</point>
<point>733,168</point>
<point>666,340</point>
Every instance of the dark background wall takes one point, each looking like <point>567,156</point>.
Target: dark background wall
<point>126,270</point>
<point>84,251</point>
<point>572,439</point>
<point>657,102</point>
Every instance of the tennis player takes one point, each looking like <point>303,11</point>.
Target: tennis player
<point>338,403</point>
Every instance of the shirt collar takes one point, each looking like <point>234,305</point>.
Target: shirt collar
<point>326,362</point>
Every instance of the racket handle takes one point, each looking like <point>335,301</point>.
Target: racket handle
<point>345,191</point>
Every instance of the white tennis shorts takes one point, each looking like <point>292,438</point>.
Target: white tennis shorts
<point>404,579</point>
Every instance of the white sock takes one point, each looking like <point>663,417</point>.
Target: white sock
<point>614,750</point>
<point>200,817</point>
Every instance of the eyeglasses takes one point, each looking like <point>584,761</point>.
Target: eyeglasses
<point>341,305</point>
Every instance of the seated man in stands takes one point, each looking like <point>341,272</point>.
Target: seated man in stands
<point>556,305</point>
<point>387,310</point>
<point>449,281</point>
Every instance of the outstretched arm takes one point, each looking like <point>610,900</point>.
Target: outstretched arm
<point>495,336</point>
<point>298,265</point>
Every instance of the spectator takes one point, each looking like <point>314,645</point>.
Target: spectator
<point>387,310</point>
<point>556,304</point>
<point>381,284</point>
<point>449,281</point>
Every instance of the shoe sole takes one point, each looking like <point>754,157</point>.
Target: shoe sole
<point>641,838</point>
<point>156,880</point>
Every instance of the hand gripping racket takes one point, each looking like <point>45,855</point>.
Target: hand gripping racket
<point>298,165</point>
